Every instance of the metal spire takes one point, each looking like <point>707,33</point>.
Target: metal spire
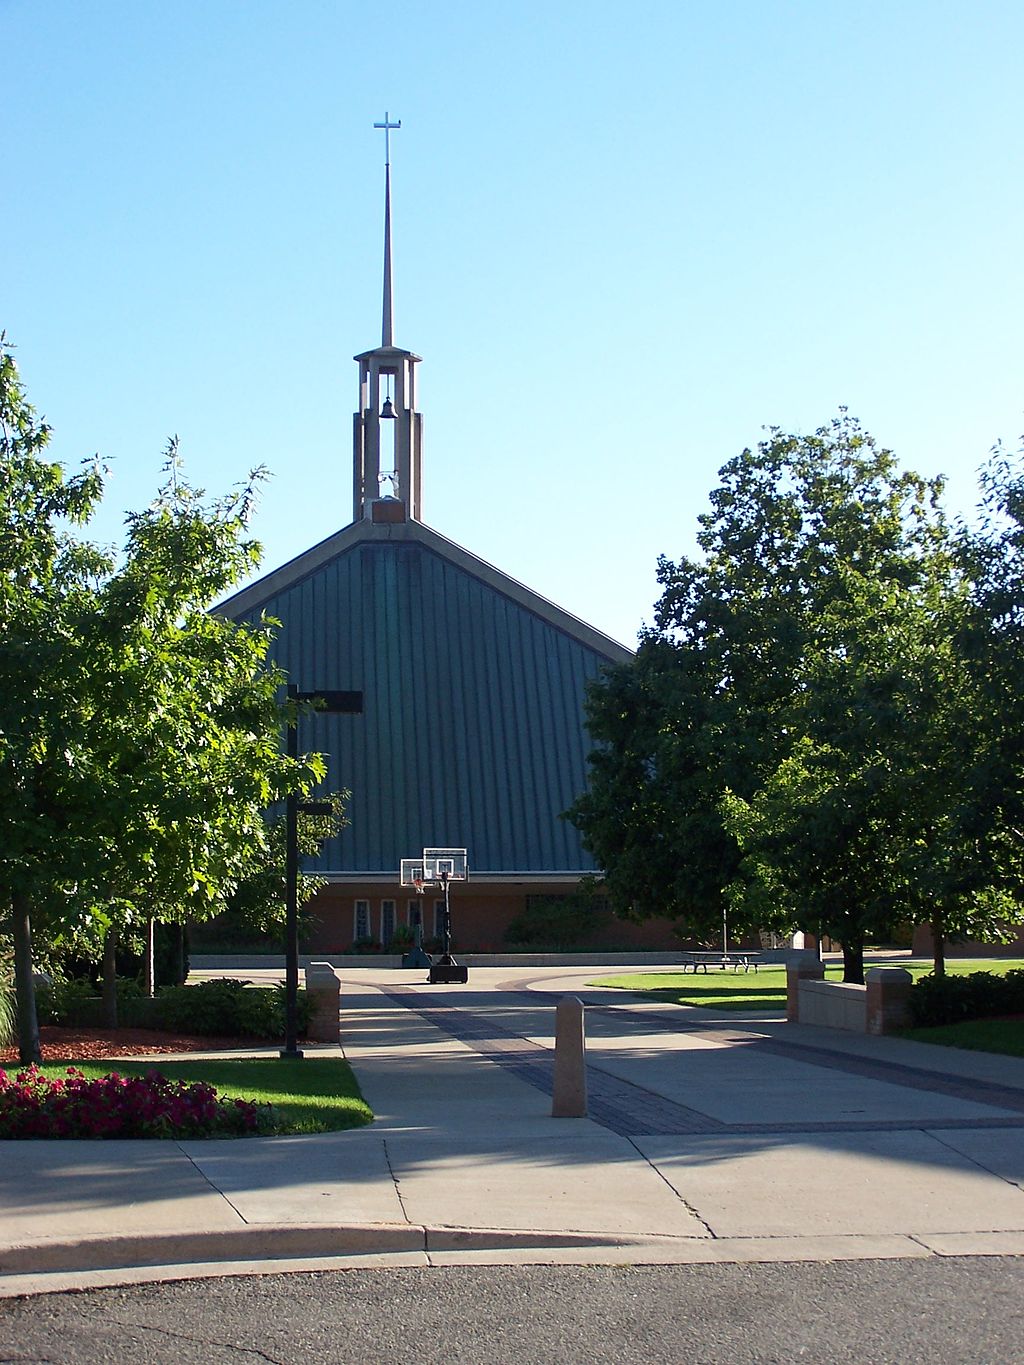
<point>388,317</point>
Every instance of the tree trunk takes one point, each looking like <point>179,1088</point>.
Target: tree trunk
<point>29,1050</point>
<point>110,978</point>
<point>151,957</point>
<point>853,961</point>
<point>183,962</point>
<point>938,944</point>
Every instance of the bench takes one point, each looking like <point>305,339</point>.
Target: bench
<point>699,962</point>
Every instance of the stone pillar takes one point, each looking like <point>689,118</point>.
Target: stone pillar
<point>569,1100</point>
<point>800,967</point>
<point>888,1007</point>
<point>324,988</point>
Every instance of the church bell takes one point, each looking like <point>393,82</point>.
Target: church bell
<point>387,410</point>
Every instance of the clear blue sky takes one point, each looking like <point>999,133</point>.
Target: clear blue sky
<point>626,238</point>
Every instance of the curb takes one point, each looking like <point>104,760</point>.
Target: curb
<point>278,1241</point>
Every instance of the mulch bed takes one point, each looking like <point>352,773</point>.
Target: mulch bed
<point>92,1045</point>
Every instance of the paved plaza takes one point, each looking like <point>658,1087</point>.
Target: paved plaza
<point>711,1137</point>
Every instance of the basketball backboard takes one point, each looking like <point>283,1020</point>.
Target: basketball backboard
<point>412,872</point>
<point>448,863</point>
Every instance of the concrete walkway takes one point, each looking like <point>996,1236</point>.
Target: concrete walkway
<point>711,1137</point>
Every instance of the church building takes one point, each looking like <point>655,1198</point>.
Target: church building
<point>471,733</point>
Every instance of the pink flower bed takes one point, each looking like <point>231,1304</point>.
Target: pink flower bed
<point>150,1106</point>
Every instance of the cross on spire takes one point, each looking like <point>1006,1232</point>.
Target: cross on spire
<point>388,322</point>
<point>386,128</point>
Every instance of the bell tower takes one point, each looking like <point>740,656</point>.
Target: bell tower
<point>387,430</point>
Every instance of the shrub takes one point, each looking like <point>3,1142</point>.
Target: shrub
<point>222,1008</point>
<point>936,1000</point>
<point>366,945</point>
<point>76,1003</point>
<point>34,1106</point>
<point>228,1008</point>
<point>403,937</point>
<point>70,1003</point>
<point>567,920</point>
<point>7,1014</point>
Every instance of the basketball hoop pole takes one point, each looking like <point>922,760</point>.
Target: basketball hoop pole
<point>437,868</point>
<point>447,916</point>
<point>446,970</point>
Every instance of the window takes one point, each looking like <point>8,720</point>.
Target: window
<point>361,920</point>
<point>439,919</point>
<point>387,922</point>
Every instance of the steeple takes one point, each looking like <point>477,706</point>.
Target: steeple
<point>387,328</point>
<point>373,466</point>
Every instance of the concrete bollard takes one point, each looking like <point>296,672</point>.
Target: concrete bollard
<point>888,1003</point>
<point>800,967</point>
<point>569,1100</point>
<point>324,989</point>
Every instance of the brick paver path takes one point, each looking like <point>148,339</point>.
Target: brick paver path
<point>634,1111</point>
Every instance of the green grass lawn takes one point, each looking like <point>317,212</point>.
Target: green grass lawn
<point>979,1035</point>
<point>312,1095</point>
<point>717,990</point>
<point>766,988</point>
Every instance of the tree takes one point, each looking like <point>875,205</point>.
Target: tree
<point>993,556</point>
<point>650,814</point>
<point>765,677</point>
<point>873,817</point>
<point>141,733</point>
<point>184,718</point>
<point>256,906</point>
<point>43,570</point>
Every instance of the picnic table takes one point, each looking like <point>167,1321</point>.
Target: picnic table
<point>701,961</point>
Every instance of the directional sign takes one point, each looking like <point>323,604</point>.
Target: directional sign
<point>334,702</point>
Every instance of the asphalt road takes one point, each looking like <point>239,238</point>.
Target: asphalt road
<point>870,1312</point>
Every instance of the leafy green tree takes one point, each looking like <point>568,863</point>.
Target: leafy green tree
<point>140,733</point>
<point>764,677</point>
<point>874,815</point>
<point>45,797</point>
<point>650,814</point>
<point>993,556</point>
<point>184,718</point>
<point>256,905</point>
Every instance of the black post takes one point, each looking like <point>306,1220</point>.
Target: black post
<point>331,702</point>
<point>291,895</point>
<point>447,917</point>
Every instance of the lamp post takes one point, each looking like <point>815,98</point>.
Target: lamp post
<point>331,703</point>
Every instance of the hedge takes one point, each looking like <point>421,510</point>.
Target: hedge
<point>938,1000</point>
<point>223,1008</point>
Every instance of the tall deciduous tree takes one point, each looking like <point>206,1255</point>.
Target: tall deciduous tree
<point>874,816</point>
<point>994,558</point>
<point>44,797</point>
<point>796,668</point>
<point>141,734</point>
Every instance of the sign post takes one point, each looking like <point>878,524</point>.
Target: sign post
<point>333,703</point>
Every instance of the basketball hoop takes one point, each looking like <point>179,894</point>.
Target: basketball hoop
<point>436,868</point>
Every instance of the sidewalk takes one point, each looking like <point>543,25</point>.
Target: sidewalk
<point>712,1137</point>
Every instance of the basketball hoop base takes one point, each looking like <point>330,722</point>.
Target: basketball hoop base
<point>447,972</point>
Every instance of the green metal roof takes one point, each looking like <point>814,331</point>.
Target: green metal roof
<point>472,733</point>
